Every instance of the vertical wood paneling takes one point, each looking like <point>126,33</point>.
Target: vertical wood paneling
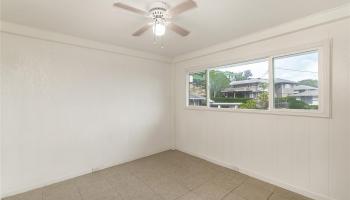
<point>301,151</point>
<point>309,154</point>
<point>319,154</point>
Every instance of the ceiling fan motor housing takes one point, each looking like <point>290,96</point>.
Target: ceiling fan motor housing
<point>158,9</point>
<point>161,13</point>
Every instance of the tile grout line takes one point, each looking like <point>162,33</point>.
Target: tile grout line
<point>218,172</point>
<point>191,190</point>
<point>234,189</point>
<point>134,171</point>
<point>81,196</point>
<point>148,186</point>
<point>108,181</point>
<point>268,198</point>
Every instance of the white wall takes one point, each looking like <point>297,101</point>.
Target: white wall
<point>68,109</point>
<point>306,154</point>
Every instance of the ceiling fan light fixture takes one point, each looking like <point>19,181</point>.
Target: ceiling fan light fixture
<point>159,28</point>
<point>161,15</point>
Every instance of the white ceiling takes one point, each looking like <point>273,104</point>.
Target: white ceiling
<point>211,23</point>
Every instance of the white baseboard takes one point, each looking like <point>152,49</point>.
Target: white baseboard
<point>46,183</point>
<point>74,175</point>
<point>256,175</point>
<point>251,173</point>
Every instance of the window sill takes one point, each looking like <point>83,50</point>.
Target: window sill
<point>286,112</point>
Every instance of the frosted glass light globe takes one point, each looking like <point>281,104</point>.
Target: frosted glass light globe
<point>159,29</point>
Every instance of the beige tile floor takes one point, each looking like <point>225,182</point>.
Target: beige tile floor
<point>165,176</point>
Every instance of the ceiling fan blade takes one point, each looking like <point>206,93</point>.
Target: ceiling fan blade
<point>178,29</point>
<point>130,8</point>
<point>142,30</point>
<point>182,7</point>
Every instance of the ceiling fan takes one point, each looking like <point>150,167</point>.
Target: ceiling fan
<point>160,13</point>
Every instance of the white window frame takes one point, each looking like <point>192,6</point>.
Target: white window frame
<point>324,71</point>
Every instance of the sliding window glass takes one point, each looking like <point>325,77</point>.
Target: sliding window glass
<point>291,83</point>
<point>296,84</point>
<point>240,86</point>
<point>197,91</point>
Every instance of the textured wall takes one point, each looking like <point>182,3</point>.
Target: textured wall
<point>67,110</point>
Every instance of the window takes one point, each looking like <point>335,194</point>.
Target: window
<point>296,81</point>
<point>240,86</point>
<point>197,83</point>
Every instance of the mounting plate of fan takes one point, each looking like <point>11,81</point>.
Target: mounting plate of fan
<point>161,15</point>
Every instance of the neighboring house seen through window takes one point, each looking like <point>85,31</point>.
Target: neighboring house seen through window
<point>243,85</point>
<point>295,81</point>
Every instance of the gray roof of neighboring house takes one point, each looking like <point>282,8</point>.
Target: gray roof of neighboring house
<point>195,97</point>
<point>253,80</point>
<point>279,80</point>
<point>308,93</point>
<point>304,87</point>
<point>230,89</point>
<point>259,80</point>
